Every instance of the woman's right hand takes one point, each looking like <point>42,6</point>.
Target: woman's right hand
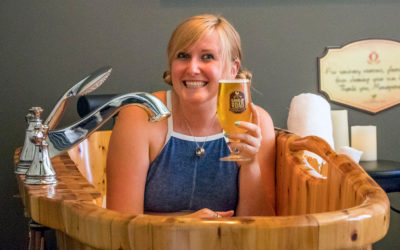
<point>206,213</point>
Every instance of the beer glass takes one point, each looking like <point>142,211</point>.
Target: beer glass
<point>233,105</point>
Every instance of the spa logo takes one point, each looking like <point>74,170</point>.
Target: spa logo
<point>373,58</point>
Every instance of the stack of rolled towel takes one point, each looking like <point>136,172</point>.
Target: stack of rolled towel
<point>310,114</point>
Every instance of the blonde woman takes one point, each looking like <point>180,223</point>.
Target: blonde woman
<point>158,168</point>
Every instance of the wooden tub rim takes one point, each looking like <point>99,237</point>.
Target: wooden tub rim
<point>376,202</point>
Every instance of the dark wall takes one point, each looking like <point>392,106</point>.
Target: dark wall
<point>47,46</point>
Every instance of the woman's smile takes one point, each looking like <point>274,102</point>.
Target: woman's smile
<point>194,84</point>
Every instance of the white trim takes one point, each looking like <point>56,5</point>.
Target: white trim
<point>170,119</point>
<point>195,138</point>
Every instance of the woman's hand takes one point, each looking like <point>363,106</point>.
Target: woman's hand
<point>250,141</point>
<point>206,213</point>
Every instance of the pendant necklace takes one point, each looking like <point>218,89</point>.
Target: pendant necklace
<point>200,151</point>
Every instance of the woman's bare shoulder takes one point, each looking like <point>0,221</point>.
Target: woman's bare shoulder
<point>162,95</point>
<point>265,117</point>
<point>136,114</point>
<point>132,125</point>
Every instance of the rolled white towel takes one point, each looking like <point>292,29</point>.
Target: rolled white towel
<point>351,152</point>
<point>310,114</point>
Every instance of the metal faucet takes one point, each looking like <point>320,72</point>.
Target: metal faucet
<point>28,150</point>
<point>41,171</point>
<point>66,138</point>
<point>85,86</point>
<point>50,143</point>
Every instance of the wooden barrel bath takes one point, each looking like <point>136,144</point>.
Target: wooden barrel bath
<point>334,205</point>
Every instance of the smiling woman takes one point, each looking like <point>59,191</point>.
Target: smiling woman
<point>173,166</point>
<point>195,73</point>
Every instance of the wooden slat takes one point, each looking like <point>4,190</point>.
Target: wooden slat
<point>337,207</point>
<point>90,158</point>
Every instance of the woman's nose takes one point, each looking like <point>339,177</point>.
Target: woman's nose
<point>194,66</point>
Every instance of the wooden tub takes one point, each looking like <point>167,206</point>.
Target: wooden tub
<point>336,207</point>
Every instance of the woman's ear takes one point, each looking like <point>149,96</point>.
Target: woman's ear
<point>235,68</point>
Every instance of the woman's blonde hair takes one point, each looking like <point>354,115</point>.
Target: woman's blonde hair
<point>192,29</point>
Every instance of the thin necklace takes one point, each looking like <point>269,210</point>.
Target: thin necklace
<point>200,151</point>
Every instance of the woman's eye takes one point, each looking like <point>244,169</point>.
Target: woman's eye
<point>183,55</point>
<point>207,57</point>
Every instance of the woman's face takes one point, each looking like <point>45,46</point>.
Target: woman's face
<point>195,73</point>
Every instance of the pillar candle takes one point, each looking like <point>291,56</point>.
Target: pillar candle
<point>340,128</point>
<point>363,138</point>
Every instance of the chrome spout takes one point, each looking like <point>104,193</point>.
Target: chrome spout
<point>63,139</point>
<point>85,86</point>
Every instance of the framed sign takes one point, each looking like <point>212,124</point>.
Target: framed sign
<point>363,74</point>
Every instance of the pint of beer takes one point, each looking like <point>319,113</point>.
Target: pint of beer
<point>233,105</point>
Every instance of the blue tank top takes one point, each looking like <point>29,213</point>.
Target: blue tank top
<point>178,180</point>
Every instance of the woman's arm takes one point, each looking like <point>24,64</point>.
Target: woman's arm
<point>257,177</point>
<point>128,161</point>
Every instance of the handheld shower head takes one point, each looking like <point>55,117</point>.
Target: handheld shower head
<point>93,81</point>
<point>85,86</point>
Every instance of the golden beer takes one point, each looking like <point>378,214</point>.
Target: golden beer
<point>233,104</point>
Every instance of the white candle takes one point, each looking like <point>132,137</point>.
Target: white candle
<point>340,127</point>
<point>363,138</point>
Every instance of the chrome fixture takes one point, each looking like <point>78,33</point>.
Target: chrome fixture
<point>28,150</point>
<point>41,171</point>
<point>45,142</point>
<point>49,143</point>
<point>85,86</point>
<point>66,138</point>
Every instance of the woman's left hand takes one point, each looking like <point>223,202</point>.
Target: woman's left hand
<point>206,213</point>
<point>250,141</point>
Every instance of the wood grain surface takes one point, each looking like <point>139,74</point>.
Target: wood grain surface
<point>335,205</point>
